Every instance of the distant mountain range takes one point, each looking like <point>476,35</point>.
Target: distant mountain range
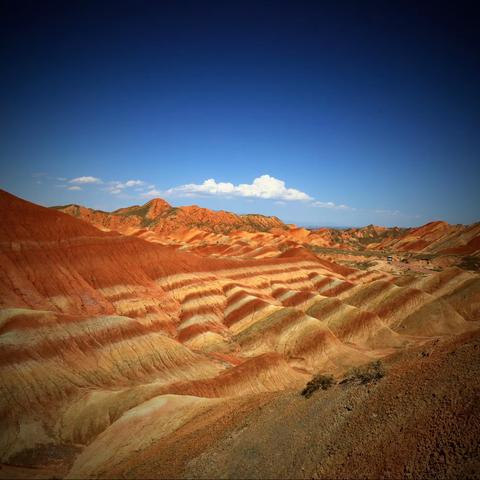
<point>158,220</point>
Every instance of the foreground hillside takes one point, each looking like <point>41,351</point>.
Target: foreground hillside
<point>122,357</point>
<point>421,421</point>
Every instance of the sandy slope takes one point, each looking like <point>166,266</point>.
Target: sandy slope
<point>421,421</point>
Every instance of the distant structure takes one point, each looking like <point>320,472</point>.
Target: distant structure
<point>389,259</point>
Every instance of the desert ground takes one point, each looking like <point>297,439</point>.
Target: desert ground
<point>175,342</point>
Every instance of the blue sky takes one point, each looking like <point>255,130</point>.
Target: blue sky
<point>322,113</point>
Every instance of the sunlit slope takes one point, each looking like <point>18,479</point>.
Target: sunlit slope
<point>225,234</point>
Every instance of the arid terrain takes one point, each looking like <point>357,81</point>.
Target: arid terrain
<point>224,234</point>
<point>175,342</point>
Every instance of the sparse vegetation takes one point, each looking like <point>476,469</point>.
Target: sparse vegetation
<point>368,240</point>
<point>470,263</point>
<point>363,265</point>
<point>138,211</point>
<point>318,381</point>
<point>365,253</point>
<point>366,374</point>
<point>336,238</point>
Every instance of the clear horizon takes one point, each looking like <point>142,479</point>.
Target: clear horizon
<point>284,220</point>
<point>315,112</point>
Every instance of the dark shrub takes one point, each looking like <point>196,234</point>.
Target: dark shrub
<point>470,263</point>
<point>367,373</point>
<point>318,381</point>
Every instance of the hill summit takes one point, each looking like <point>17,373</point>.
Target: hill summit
<point>159,216</point>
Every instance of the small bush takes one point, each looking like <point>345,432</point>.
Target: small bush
<point>318,381</point>
<point>470,263</point>
<point>367,373</point>
<point>364,265</point>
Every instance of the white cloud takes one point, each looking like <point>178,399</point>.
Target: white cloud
<point>152,193</point>
<point>329,205</point>
<point>134,183</point>
<point>115,186</point>
<point>264,186</point>
<point>83,180</point>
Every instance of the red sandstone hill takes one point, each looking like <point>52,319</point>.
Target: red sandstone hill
<point>157,220</point>
<point>434,238</point>
<point>159,216</point>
